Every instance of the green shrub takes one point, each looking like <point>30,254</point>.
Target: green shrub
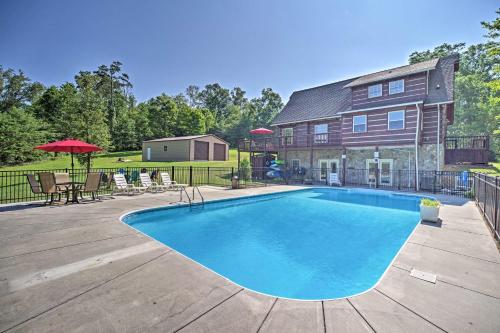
<point>245,169</point>
<point>429,202</point>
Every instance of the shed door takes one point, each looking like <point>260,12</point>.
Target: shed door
<point>201,150</point>
<point>219,152</point>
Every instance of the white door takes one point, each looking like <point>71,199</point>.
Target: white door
<point>385,171</point>
<point>148,154</point>
<point>326,167</point>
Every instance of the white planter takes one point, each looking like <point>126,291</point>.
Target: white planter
<point>430,214</point>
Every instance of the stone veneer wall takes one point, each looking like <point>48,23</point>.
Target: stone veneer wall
<point>356,158</point>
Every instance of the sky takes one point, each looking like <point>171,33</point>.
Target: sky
<point>166,46</point>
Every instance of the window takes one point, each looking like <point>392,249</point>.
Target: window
<point>359,124</point>
<point>321,133</point>
<point>396,87</point>
<point>396,120</point>
<point>375,91</point>
<point>287,134</point>
<point>321,128</point>
<point>165,148</point>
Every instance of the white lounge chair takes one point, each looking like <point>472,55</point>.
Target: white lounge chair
<point>121,186</point>
<point>151,185</point>
<point>169,183</point>
<point>334,179</point>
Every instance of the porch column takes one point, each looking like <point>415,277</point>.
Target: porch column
<point>376,157</point>
<point>311,151</point>
<point>344,163</point>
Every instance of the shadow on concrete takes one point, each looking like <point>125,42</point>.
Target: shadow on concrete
<point>437,224</point>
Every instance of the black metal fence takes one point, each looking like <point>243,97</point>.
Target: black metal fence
<point>14,186</point>
<point>454,183</point>
<point>486,190</point>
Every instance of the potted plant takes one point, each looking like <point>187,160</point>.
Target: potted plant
<point>429,210</point>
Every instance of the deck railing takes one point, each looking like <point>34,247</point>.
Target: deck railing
<point>472,149</point>
<point>277,143</point>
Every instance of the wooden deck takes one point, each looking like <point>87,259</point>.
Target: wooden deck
<point>467,149</point>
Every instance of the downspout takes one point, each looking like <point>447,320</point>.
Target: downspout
<point>438,137</point>
<point>427,84</point>
<point>417,132</point>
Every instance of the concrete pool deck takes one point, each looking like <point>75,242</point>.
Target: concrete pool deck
<point>78,268</point>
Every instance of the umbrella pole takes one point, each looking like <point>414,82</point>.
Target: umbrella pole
<point>72,166</point>
<point>73,178</point>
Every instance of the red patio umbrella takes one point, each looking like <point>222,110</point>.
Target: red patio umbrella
<point>70,146</point>
<point>261,131</point>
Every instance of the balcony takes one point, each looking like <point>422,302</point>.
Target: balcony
<point>467,149</point>
<point>279,143</point>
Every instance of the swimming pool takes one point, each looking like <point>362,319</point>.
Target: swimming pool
<point>318,243</point>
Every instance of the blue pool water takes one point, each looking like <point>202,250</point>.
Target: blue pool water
<point>318,243</point>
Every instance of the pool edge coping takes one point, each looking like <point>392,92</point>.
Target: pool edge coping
<point>183,205</point>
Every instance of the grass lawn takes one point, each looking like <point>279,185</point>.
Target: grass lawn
<point>133,158</point>
<point>493,169</point>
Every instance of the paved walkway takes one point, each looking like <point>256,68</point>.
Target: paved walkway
<point>77,268</point>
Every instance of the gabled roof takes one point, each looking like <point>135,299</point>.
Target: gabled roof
<point>395,72</point>
<point>441,81</point>
<point>329,100</point>
<point>183,138</point>
<point>316,103</point>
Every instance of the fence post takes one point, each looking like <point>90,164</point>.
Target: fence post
<point>232,172</point>
<point>399,179</point>
<point>416,180</point>
<point>434,182</point>
<point>208,175</point>
<point>190,175</point>
<point>495,214</point>
<point>484,205</point>
<point>173,172</point>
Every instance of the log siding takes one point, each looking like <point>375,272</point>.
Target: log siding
<point>415,88</point>
<point>378,133</point>
<point>340,131</point>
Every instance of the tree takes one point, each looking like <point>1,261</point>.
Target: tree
<point>162,112</point>
<point>84,115</point>
<point>193,95</point>
<point>439,51</point>
<point>216,99</point>
<point>142,128</point>
<point>19,133</point>
<point>16,89</point>
<point>112,84</point>
<point>266,107</point>
<point>238,97</point>
<point>48,107</point>
<point>190,121</point>
<point>124,132</point>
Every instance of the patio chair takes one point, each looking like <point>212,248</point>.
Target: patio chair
<point>34,184</point>
<point>334,179</point>
<point>121,186</point>
<point>92,184</point>
<point>50,187</point>
<point>151,185</point>
<point>169,183</point>
<point>62,179</point>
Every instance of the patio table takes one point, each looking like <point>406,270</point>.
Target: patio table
<point>73,188</point>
